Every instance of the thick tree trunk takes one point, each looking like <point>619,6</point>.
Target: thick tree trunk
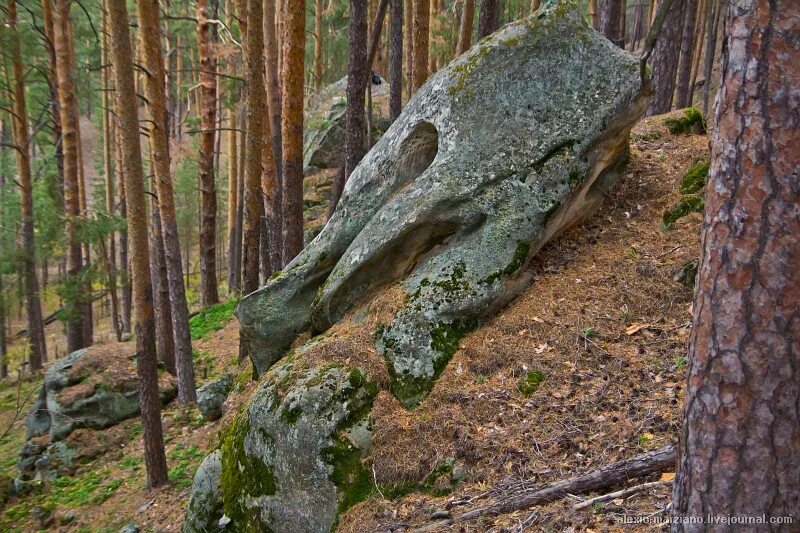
<point>125,99</point>
<point>205,156</point>
<point>233,204</point>
<point>682,90</point>
<point>292,115</point>
<point>74,301</point>
<point>489,19</point>
<point>357,80</point>
<point>740,444</point>
<point>396,60</point>
<point>147,11</point>
<point>664,61</point>
<point>422,21</point>
<point>110,251</point>
<point>37,350</point>
<point>465,31</point>
<point>254,97</point>
<point>610,13</point>
<point>274,202</point>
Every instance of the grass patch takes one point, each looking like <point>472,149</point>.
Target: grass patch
<point>211,319</point>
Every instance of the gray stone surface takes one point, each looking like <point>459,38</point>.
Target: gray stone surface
<point>497,154</point>
<point>212,395</point>
<point>323,138</point>
<point>205,499</point>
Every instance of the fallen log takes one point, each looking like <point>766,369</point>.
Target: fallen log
<point>599,478</point>
<point>624,493</point>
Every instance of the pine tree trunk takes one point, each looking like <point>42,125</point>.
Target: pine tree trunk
<point>74,302</point>
<point>664,61</point>
<point>253,205</point>
<point>357,80</point>
<point>396,60</point>
<point>740,445</point>
<point>233,204</point>
<point>610,13</point>
<point>712,26</point>
<point>318,45</point>
<point>125,99</point>
<point>274,202</point>
<point>465,31</point>
<point>165,343</point>
<point>700,28</point>
<point>3,246</point>
<point>126,290</point>
<point>205,156</point>
<point>175,295</point>
<point>241,195</point>
<point>408,44</point>
<point>419,68</point>
<point>47,17</point>
<point>292,114</point>
<point>489,18</point>
<point>110,251</point>
<point>682,96</point>
<point>593,18</point>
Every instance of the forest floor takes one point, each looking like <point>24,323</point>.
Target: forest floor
<point>603,328</point>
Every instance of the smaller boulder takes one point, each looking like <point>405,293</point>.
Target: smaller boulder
<point>212,395</point>
<point>205,500</point>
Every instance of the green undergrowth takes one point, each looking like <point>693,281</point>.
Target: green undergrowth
<point>438,483</point>
<point>211,319</point>
<point>184,460</point>
<point>693,195</point>
<point>695,178</point>
<point>692,122</point>
<point>530,382</point>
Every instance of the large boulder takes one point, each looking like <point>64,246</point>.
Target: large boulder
<point>93,388</point>
<point>323,138</point>
<point>493,157</point>
<point>291,461</point>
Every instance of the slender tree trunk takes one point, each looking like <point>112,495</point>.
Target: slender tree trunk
<point>489,19</point>
<point>37,350</point>
<point>593,18</point>
<point>254,76</point>
<point>125,98</point>
<point>408,43</point>
<point>3,247</point>
<point>357,80</point>
<point>664,61</point>
<point>3,341</point>
<point>242,183</point>
<point>165,343</point>
<point>233,204</point>
<point>396,60</point>
<point>110,251</point>
<point>318,45</point>
<point>682,97</point>
<point>610,13</point>
<point>422,21</point>
<point>208,114</point>
<point>271,255</point>
<point>465,31</point>
<point>739,453</point>
<point>75,301</point>
<point>147,14</point>
<point>292,114</point>
<point>433,30</point>
<point>126,290</point>
<point>712,26</point>
<point>274,207</point>
<point>700,27</point>
<point>47,17</point>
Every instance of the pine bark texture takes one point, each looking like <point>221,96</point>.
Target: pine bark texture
<point>272,180</point>
<point>208,115</point>
<point>318,45</point>
<point>292,115</point>
<point>682,89</point>
<point>489,19</point>
<point>740,443</point>
<point>165,343</point>
<point>69,123</point>
<point>408,45</point>
<point>422,22</point>
<point>396,60</point>
<point>131,162</point>
<point>465,28</point>
<point>155,90</point>
<point>253,205</point>
<point>357,79</point>
<point>37,350</point>
<point>610,13</point>
<point>712,25</point>
<point>234,234</point>
<point>664,61</point>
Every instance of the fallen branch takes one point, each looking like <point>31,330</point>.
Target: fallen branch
<point>593,480</point>
<point>624,493</point>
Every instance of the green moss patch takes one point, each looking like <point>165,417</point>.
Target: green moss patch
<point>695,178</point>
<point>520,255</point>
<point>438,483</point>
<point>692,122</point>
<point>688,204</point>
<point>212,318</point>
<point>530,382</point>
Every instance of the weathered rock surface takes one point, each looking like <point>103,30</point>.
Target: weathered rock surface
<point>94,388</point>
<point>205,499</point>
<point>292,460</point>
<point>212,395</point>
<point>323,139</point>
<point>496,155</point>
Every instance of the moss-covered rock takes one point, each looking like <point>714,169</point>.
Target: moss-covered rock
<point>695,178</point>
<point>205,498</point>
<point>293,459</point>
<point>692,121</point>
<point>692,203</point>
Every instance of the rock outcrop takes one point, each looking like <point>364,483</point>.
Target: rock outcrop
<point>212,395</point>
<point>323,139</point>
<point>497,154</point>
<point>93,388</point>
